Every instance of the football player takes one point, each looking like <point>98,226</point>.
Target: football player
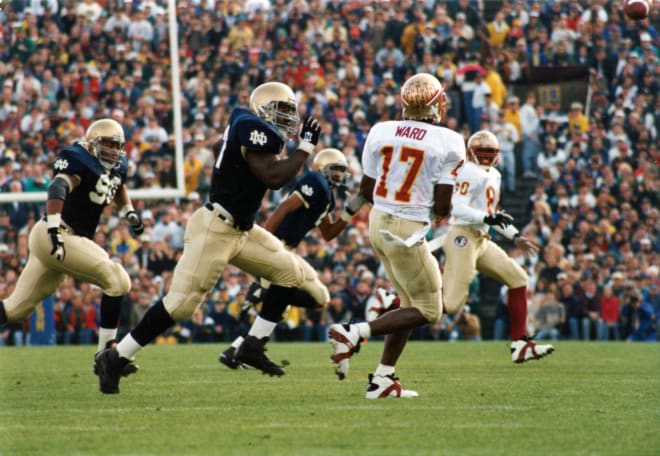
<point>468,248</point>
<point>410,168</point>
<point>89,175</point>
<point>308,205</point>
<point>223,231</point>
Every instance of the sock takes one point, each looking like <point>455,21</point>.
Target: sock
<point>384,370</point>
<point>3,314</point>
<point>276,299</point>
<point>303,299</point>
<point>237,342</point>
<point>105,335</point>
<point>155,321</point>
<point>261,328</point>
<point>517,302</point>
<point>364,330</point>
<point>128,347</point>
<point>110,310</point>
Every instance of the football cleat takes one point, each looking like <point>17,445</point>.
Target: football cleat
<point>525,349</point>
<point>252,353</point>
<point>128,369</point>
<point>109,366</point>
<point>384,386</point>
<point>345,341</point>
<point>227,358</point>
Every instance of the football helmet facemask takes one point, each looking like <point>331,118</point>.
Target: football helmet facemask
<point>483,148</point>
<point>423,98</point>
<point>332,163</point>
<point>105,140</point>
<point>276,103</point>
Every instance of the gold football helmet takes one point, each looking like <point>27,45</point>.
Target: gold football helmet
<point>105,140</point>
<point>483,148</point>
<point>423,98</point>
<point>276,103</point>
<point>332,163</point>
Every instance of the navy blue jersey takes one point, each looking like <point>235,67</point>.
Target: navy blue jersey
<point>318,201</point>
<point>233,185</point>
<point>97,188</point>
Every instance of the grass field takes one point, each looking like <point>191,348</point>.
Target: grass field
<point>585,399</point>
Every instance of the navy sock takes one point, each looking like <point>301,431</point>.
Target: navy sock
<point>155,321</point>
<point>303,299</point>
<point>110,310</point>
<point>275,301</point>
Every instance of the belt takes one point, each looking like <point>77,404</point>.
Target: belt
<point>222,213</point>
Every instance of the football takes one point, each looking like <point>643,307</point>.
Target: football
<point>637,9</point>
<point>385,301</point>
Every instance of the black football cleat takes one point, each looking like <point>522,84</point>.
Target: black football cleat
<point>130,368</point>
<point>227,358</point>
<point>109,366</point>
<point>252,353</point>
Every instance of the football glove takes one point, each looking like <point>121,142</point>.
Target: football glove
<point>57,241</point>
<point>501,219</point>
<point>309,135</point>
<point>136,222</point>
<point>354,203</point>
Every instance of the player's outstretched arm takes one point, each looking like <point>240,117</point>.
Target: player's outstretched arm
<point>292,203</point>
<point>274,173</point>
<point>127,211</point>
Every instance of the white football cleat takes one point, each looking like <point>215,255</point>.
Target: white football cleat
<point>384,386</point>
<point>345,341</point>
<point>525,349</point>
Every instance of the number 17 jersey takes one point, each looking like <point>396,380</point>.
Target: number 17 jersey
<point>407,159</point>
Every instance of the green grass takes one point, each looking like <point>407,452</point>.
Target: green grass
<point>585,399</point>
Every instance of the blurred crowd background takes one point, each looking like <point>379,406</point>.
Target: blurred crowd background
<point>583,173</point>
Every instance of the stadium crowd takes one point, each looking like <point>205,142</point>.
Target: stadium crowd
<point>594,209</point>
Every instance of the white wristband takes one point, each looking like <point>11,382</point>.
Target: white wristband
<point>346,217</point>
<point>125,210</point>
<point>307,147</point>
<point>53,220</point>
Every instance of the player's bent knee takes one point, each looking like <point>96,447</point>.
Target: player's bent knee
<point>181,306</point>
<point>119,282</point>
<point>318,291</point>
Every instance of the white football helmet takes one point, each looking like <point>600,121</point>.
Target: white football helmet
<point>483,148</point>
<point>423,98</point>
<point>276,103</point>
<point>105,140</point>
<point>332,163</point>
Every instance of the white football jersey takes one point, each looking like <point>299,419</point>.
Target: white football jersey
<point>407,159</point>
<point>476,194</point>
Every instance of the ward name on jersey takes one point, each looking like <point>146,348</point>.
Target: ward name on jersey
<point>318,200</point>
<point>476,194</point>
<point>233,184</point>
<point>84,205</point>
<point>433,155</point>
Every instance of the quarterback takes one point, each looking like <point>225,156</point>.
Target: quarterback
<point>307,206</point>
<point>223,231</point>
<point>468,248</point>
<point>89,175</point>
<point>410,168</point>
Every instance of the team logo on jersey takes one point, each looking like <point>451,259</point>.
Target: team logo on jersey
<point>460,241</point>
<point>307,190</point>
<point>61,163</point>
<point>258,137</point>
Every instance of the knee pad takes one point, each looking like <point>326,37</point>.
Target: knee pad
<point>119,283</point>
<point>182,306</point>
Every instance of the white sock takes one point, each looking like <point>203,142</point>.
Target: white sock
<point>364,330</point>
<point>261,328</point>
<point>105,334</point>
<point>237,342</point>
<point>384,370</point>
<point>128,347</point>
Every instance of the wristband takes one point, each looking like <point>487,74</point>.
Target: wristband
<point>306,147</point>
<point>346,217</point>
<point>125,210</point>
<point>53,220</point>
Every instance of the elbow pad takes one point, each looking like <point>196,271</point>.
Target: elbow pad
<point>58,189</point>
